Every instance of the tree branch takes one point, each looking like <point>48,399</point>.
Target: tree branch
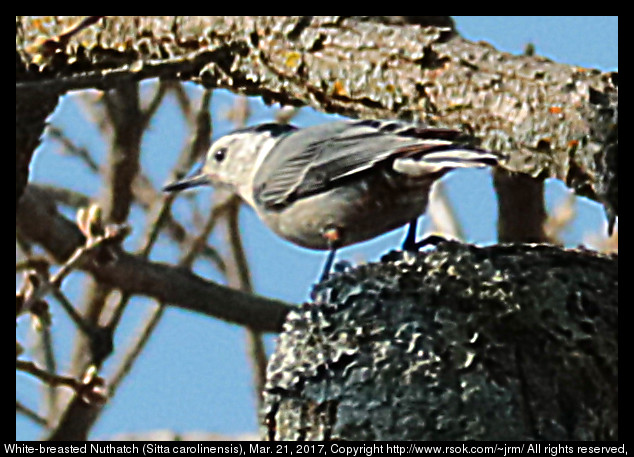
<point>507,342</point>
<point>38,219</point>
<point>553,120</point>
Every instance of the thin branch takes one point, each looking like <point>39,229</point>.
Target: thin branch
<point>94,246</point>
<point>89,387</point>
<point>155,102</point>
<point>136,348</point>
<point>72,149</point>
<point>78,420</point>
<point>240,277</point>
<point>28,412</point>
<point>38,219</point>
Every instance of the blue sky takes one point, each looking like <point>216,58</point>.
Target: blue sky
<point>194,374</point>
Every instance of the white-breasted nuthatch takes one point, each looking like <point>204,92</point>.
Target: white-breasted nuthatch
<point>335,184</point>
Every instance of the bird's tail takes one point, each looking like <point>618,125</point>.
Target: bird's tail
<point>446,157</point>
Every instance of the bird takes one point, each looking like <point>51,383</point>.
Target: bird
<point>339,183</point>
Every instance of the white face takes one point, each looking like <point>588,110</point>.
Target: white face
<point>222,163</point>
<point>233,160</point>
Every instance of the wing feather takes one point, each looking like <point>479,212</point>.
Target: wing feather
<point>313,159</point>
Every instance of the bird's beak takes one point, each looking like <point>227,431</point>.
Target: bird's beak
<point>198,179</point>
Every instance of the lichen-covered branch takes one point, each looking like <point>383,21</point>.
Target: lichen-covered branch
<point>554,120</point>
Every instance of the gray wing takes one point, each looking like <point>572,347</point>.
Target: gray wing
<point>314,159</point>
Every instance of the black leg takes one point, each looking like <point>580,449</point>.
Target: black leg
<point>431,240</point>
<point>409,243</point>
<point>328,265</point>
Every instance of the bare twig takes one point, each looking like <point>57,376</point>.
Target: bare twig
<point>129,273</point>
<point>89,388</point>
<point>239,277</point>
<point>28,412</point>
<point>72,149</point>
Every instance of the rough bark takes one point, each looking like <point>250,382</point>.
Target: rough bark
<point>509,342</point>
<point>553,120</point>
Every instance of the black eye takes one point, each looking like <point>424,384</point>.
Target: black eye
<point>220,154</point>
